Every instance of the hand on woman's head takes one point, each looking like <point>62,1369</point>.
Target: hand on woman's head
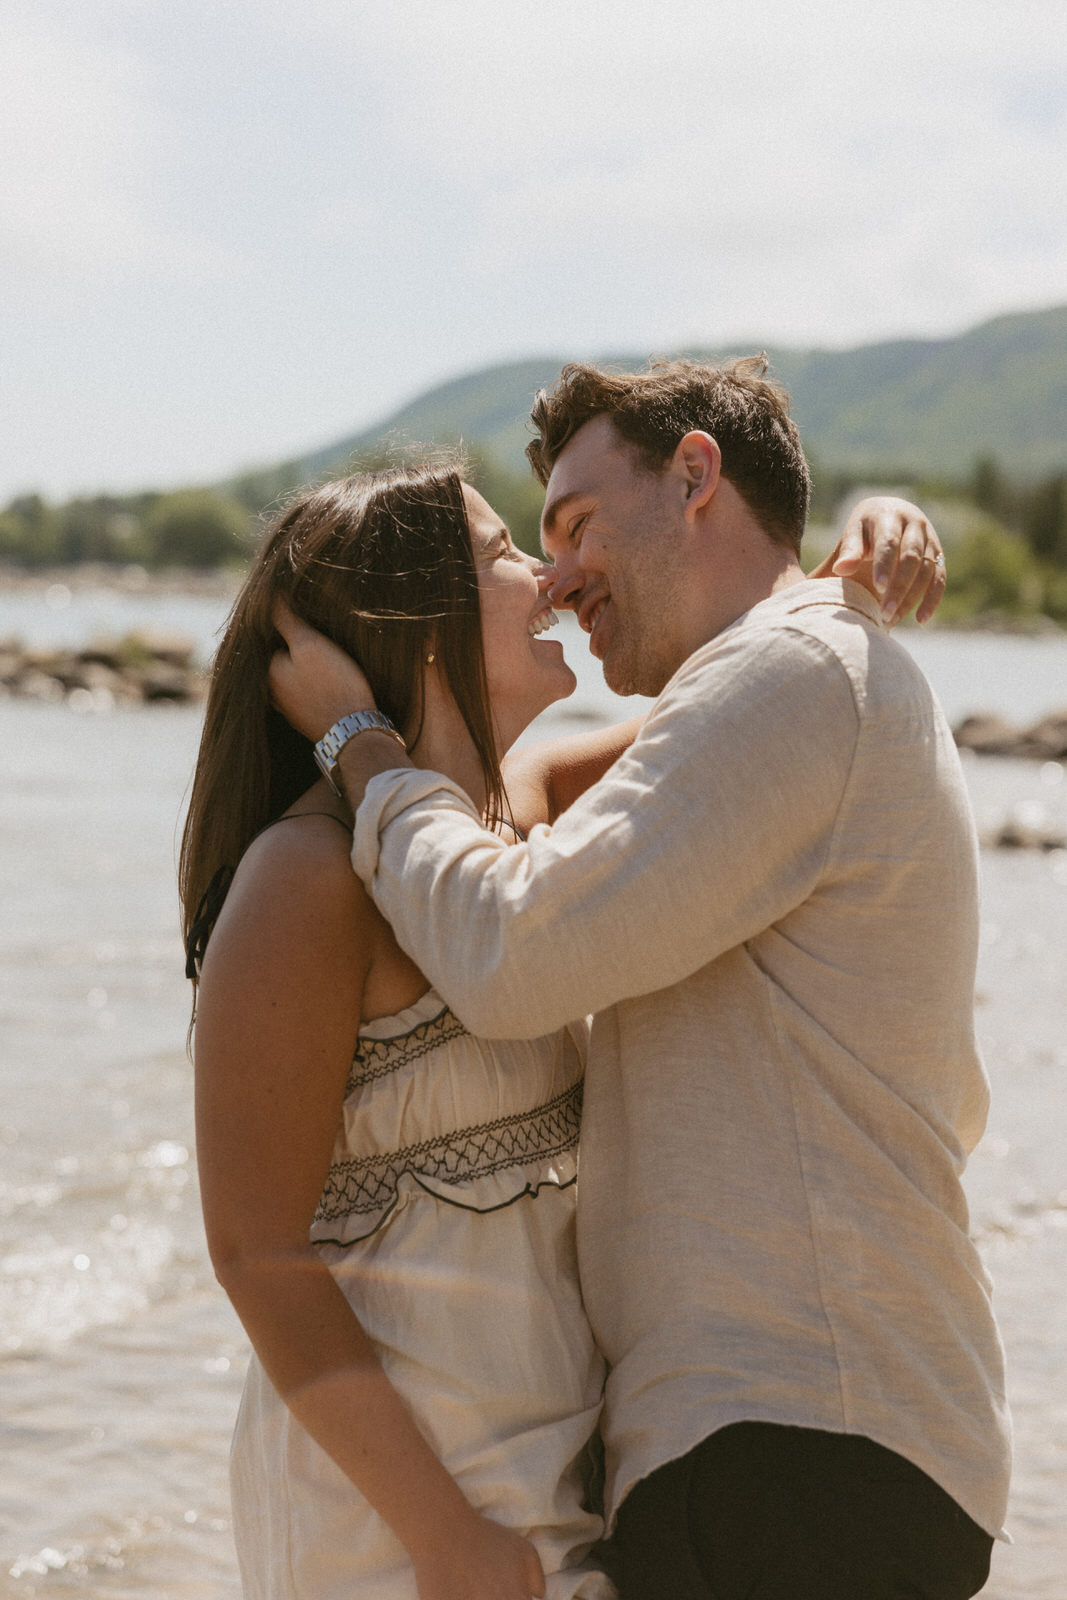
<point>312,681</point>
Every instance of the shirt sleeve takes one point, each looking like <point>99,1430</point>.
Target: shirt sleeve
<point>717,821</point>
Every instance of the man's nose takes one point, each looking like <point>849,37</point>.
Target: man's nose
<point>566,589</point>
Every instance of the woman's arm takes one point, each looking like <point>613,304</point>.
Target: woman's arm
<point>278,1013</point>
<point>890,547</point>
<point>542,780</point>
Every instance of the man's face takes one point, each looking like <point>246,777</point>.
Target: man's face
<point>613,531</point>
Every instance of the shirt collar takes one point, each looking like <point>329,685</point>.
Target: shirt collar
<point>820,592</point>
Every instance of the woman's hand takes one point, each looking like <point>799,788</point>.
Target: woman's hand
<point>891,548</point>
<point>312,681</point>
<point>480,1560</point>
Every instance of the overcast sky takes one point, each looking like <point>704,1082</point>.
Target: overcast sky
<point>231,230</point>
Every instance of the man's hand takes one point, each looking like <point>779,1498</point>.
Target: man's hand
<point>889,545</point>
<point>313,682</point>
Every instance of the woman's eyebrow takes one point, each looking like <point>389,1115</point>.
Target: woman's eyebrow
<point>492,540</point>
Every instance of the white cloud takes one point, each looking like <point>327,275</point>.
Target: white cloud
<point>80,132</point>
<point>324,206</point>
<point>819,182</point>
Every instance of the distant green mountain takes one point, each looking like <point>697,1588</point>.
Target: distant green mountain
<point>911,405</point>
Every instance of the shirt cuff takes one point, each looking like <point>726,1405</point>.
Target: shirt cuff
<point>387,796</point>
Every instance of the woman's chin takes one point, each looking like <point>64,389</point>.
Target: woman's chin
<point>554,677</point>
<point>565,694</point>
<point>564,683</point>
<point>561,688</point>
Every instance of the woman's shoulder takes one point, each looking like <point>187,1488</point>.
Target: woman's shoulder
<point>545,778</point>
<point>300,852</point>
<point>306,837</point>
<point>295,883</point>
<point>296,907</point>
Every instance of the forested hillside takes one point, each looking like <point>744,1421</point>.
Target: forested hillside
<point>929,406</point>
<point>974,427</point>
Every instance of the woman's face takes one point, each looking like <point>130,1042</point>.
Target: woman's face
<point>525,669</point>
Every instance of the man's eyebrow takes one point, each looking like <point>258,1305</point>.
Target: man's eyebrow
<point>551,514</point>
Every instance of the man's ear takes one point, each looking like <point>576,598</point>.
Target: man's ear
<point>697,465</point>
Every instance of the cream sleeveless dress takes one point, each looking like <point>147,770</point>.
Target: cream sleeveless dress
<point>448,1222</point>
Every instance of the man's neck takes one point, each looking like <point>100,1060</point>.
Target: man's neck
<point>743,584</point>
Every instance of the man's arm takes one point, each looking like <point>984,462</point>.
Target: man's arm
<point>716,823</point>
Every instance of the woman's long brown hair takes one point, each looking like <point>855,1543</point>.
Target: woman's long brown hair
<point>382,564</point>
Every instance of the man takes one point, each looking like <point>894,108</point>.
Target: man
<point>770,903</point>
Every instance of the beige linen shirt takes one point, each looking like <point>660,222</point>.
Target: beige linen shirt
<point>771,904</point>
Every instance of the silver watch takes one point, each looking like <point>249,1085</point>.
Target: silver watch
<point>332,743</point>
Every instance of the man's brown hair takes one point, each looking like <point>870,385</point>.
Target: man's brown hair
<point>746,412</point>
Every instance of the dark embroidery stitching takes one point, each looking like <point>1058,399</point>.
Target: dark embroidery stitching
<point>370,1182</point>
<point>376,1058</point>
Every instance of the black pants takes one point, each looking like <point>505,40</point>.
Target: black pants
<point>764,1512</point>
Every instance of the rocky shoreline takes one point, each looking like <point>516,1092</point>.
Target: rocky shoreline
<point>149,667</point>
<point>1021,833</point>
<point>155,667</point>
<point>989,735</point>
<point>1027,827</point>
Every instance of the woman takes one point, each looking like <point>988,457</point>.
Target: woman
<point>388,1201</point>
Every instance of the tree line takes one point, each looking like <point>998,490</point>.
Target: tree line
<point>207,528</point>
<point>1007,540</point>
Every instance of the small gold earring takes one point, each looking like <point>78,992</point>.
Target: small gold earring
<point>430,659</point>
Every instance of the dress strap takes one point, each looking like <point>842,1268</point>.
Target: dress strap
<point>506,822</point>
<point>295,816</point>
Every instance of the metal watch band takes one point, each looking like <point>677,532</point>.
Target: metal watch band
<point>332,743</point>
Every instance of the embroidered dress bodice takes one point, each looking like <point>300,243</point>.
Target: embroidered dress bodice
<point>447,1219</point>
<point>427,1106</point>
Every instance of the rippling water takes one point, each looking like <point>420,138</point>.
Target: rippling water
<point>120,1362</point>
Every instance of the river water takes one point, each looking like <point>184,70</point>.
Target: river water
<point>120,1361</point>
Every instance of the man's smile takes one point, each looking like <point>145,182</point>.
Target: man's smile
<point>590,614</point>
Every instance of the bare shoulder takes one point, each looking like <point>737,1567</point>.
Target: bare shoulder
<point>527,777</point>
<point>295,900</point>
<point>299,841</point>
